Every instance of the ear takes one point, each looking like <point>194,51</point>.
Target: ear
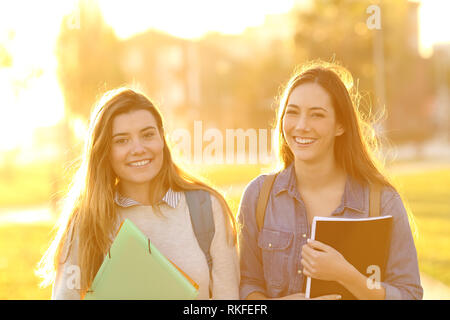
<point>339,130</point>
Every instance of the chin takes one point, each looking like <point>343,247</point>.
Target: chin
<point>304,158</point>
<point>138,181</point>
<point>140,178</point>
<point>303,154</point>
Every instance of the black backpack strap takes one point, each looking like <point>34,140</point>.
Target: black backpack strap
<point>200,210</point>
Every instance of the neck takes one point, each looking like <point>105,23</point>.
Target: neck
<point>137,192</point>
<point>317,175</point>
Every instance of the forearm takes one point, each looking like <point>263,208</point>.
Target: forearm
<point>357,284</point>
<point>65,286</point>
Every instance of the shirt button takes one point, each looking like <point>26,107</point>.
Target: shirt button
<point>299,271</point>
<point>304,235</point>
<point>270,245</point>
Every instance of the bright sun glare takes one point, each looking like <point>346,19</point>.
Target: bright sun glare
<point>30,92</point>
<point>28,30</point>
<point>434,24</point>
<point>188,19</point>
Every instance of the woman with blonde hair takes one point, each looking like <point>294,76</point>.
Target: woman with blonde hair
<point>127,172</point>
<point>327,167</point>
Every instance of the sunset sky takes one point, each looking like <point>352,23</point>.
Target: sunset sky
<point>28,29</point>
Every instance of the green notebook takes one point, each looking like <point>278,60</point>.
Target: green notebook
<point>135,269</point>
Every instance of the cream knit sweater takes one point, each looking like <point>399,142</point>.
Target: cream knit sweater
<point>173,235</point>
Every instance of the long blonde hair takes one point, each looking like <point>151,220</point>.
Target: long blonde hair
<point>89,211</point>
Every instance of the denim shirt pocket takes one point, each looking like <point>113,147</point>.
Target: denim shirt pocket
<point>274,246</point>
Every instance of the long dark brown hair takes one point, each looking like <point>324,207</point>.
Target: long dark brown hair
<point>355,149</point>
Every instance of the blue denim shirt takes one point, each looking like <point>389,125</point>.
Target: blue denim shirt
<point>270,259</point>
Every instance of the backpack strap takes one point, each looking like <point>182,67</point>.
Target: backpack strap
<point>263,199</point>
<point>374,200</point>
<point>200,211</point>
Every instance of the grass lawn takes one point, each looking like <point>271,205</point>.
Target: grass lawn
<point>21,247</point>
<point>427,193</point>
<point>32,184</point>
<point>428,196</point>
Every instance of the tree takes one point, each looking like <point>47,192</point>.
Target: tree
<point>88,58</point>
<point>339,29</point>
<point>336,30</point>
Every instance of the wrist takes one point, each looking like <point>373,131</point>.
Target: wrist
<point>347,274</point>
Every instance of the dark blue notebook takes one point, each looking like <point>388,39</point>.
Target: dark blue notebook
<point>363,242</point>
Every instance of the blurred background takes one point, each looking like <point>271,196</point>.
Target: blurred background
<point>222,63</point>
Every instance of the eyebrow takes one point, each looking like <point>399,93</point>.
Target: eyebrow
<point>312,108</point>
<point>126,133</point>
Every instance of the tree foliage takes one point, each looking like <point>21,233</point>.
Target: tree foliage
<point>338,30</point>
<point>88,58</point>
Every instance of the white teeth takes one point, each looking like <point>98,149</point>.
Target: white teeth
<point>139,163</point>
<point>304,141</point>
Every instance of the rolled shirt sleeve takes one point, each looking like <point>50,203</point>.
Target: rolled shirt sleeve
<point>402,277</point>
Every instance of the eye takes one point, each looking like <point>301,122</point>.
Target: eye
<point>291,111</point>
<point>148,135</point>
<point>121,141</point>
<point>317,115</point>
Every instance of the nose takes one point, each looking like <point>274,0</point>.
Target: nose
<point>303,124</point>
<point>137,148</point>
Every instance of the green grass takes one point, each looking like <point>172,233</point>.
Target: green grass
<point>32,184</point>
<point>21,247</point>
<point>427,194</point>
<point>223,175</point>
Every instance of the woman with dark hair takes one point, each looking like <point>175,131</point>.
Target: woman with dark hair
<point>327,166</point>
<point>127,172</point>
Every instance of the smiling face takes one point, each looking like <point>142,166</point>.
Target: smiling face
<point>137,148</point>
<point>309,123</point>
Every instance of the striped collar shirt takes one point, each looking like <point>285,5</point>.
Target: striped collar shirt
<point>171,198</point>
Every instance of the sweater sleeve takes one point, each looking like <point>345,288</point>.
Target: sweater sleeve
<point>225,261</point>
<point>68,274</point>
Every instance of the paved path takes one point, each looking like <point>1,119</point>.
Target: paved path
<point>41,214</point>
